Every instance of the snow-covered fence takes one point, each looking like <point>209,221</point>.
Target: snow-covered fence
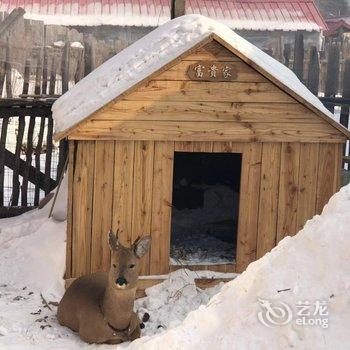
<point>30,162</point>
<point>39,59</point>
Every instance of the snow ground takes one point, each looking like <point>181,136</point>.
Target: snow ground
<point>312,266</point>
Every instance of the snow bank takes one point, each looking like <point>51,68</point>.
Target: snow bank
<point>152,52</point>
<point>312,266</point>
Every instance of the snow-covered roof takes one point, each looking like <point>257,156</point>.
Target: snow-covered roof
<point>264,15</point>
<point>157,49</point>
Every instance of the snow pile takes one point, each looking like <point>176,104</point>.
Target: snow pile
<point>149,54</point>
<point>310,267</point>
<point>168,303</point>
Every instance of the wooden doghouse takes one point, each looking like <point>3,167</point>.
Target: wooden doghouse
<point>214,96</point>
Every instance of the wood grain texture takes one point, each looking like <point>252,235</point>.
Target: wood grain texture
<point>212,51</point>
<point>345,132</point>
<point>123,190</point>
<point>268,201</point>
<point>184,91</point>
<point>217,268</point>
<point>288,190</point>
<point>142,194</point>
<point>208,111</point>
<point>241,72</point>
<point>248,206</point>
<point>328,171</point>
<point>161,207</point>
<point>102,205</point>
<point>70,219</point>
<point>308,168</point>
<point>82,207</point>
<point>205,131</point>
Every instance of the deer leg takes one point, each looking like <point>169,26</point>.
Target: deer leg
<point>134,330</point>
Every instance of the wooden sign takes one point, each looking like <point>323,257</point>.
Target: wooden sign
<point>212,71</point>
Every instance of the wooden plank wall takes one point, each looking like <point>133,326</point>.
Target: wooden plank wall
<point>128,185</point>
<point>168,106</point>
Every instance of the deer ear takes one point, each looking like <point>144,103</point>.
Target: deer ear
<point>142,245</point>
<point>113,240</point>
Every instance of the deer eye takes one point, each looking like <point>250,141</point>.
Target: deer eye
<point>131,266</point>
<point>114,265</point>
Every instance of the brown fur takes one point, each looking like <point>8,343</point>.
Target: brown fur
<point>98,307</point>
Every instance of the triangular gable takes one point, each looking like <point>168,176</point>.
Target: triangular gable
<point>261,62</point>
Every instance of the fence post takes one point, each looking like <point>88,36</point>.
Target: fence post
<point>298,64</point>
<point>313,77</point>
<point>286,53</point>
<point>344,114</point>
<point>332,78</point>
<point>65,67</point>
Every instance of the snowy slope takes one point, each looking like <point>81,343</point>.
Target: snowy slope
<point>312,266</point>
<point>152,52</point>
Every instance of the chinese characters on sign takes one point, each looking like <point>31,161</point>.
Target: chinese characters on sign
<point>212,71</point>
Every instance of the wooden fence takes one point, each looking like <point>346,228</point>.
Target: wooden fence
<point>28,161</point>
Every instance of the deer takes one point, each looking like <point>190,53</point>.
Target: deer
<point>100,306</point>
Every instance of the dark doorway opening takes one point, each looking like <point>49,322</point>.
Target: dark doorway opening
<point>205,208</point>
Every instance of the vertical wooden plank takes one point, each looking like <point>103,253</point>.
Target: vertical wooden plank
<point>338,167</point>
<point>123,190</point>
<point>288,190</point>
<point>4,127</point>
<point>37,160</point>
<point>183,146</point>
<point>248,206</point>
<point>161,207</point>
<point>228,147</point>
<point>203,147</point>
<point>142,194</point>
<point>102,205</point>
<point>15,174</point>
<point>26,78</point>
<point>307,183</point>
<point>82,207</point>
<point>70,174</point>
<point>268,202</point>
<point>48,155</point>
<point>29,153</point>
<point>326,174</point>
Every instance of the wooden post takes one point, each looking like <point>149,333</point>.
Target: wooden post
<point>48,156</point>
<point>26,78</point>
<point>89,55</point>
<point>344,113</point>
<point>286,53</point>
<point>45,63</point>
<point>314,71</point>
<point>332,78</point>
<point>53,74</point>
<point>8,70</point>
<point>298,64</point>
<point>37,161</point>
<point>38,73</point>
<point>65,67</point>
<point>29,152</point>
<point>4,125</point>
<point>15,174</point>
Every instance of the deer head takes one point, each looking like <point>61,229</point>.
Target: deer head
<point>125,262</point>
